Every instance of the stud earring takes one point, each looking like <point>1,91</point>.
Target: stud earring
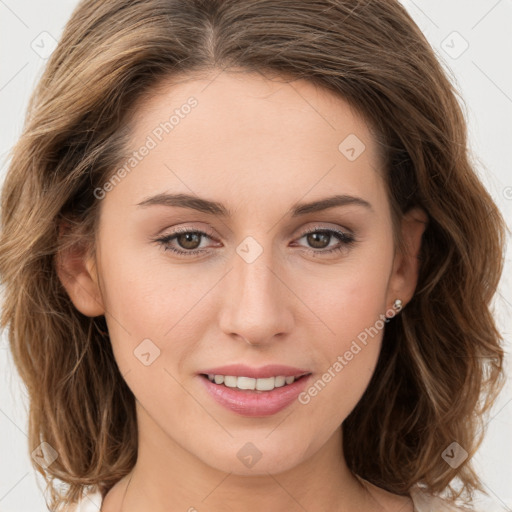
<point>397,306</point>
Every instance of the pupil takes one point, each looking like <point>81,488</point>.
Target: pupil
<point>315,238</point>
<point>188,240</point>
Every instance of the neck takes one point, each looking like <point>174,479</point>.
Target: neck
<point>166,474</point>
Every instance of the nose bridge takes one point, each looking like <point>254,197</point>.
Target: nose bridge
<point>256,306</point>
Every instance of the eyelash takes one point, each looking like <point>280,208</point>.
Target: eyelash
<point>346,240</point>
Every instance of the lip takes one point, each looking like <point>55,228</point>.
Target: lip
<point>255,403</point>
<point>269,370</point>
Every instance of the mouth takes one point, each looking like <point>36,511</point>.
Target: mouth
<point>254,397</point>
<point>252,385</point>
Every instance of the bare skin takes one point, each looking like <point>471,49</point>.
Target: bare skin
<point>259,147</point>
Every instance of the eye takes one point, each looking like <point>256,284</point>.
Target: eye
<point>189,241</point>
<point>319,237</point>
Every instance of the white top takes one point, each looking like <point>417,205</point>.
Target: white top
<point>423,502</point>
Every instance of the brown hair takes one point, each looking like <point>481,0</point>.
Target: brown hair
<point>440,366</point>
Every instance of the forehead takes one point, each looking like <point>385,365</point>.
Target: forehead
<point>243,103</point>
<point>248,134</point>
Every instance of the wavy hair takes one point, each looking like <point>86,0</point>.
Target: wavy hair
<point>441,364</point>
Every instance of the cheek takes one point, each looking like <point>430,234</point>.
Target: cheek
<point>152,330</point>
<point>157,315</point>
<point>351,305</point>
<point>350,297</point>
<point>144,300</point>
<point>347,360</point>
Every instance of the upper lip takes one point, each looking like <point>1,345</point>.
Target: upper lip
<point>270,370</point>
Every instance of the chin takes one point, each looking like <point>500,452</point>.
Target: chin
<point>256,456</point>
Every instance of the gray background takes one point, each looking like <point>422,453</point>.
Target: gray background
<point>483,74</point>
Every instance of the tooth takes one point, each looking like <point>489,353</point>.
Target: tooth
<point>230,381</point>
<point>265,384</point>
<point>246,383</point>
<point>280,380</point>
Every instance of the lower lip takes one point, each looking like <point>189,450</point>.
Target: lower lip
<point>255,403</point>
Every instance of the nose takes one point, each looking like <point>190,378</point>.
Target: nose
<point>257,305</point>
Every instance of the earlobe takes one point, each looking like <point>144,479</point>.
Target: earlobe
<point>78,275</point>
<point>407,264</point>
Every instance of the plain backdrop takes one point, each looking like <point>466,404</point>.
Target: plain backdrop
<point>473,40</point>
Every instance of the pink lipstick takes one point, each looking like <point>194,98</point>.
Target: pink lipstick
<point>254,392</point>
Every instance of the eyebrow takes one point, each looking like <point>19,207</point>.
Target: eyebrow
<point>216,208</point>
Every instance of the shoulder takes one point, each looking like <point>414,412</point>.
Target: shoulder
<point>419,500</point>
<point>425,502</point>
<point>90,502</point>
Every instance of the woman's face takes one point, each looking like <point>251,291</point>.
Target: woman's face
<point>261,290</point>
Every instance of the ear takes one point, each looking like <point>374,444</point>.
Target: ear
<point>406,264</point>
<point>77,273</point>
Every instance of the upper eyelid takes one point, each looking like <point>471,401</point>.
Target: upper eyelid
<point>211,234</point>
<point>312,229</point>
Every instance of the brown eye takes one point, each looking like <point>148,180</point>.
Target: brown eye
<point>318,240</point>
<point>190,240</point>
<point>183,242</point>
<point>187,242</point>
